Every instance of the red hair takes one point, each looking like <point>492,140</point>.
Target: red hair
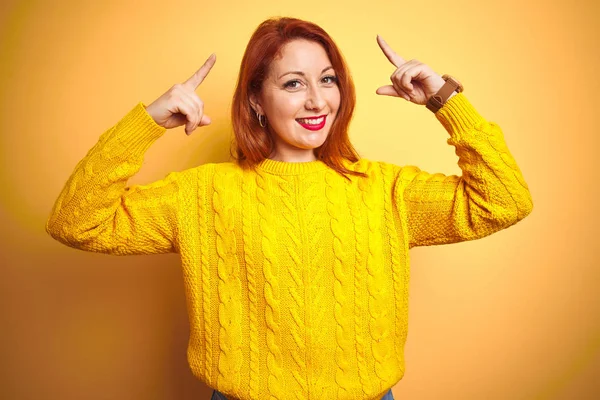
<point>253,144</point>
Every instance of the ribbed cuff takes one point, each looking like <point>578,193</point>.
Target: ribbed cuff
<point>458,114</point>
<point>137,131</point>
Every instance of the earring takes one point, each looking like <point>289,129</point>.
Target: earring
<point>260,120</point>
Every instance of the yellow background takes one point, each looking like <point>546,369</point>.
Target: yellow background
<point>512,316</point>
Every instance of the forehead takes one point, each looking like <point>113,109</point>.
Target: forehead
<point>301,55</point>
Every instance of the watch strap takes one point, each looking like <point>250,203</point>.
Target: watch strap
<point>436,101</point>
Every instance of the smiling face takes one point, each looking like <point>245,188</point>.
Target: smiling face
<point>300,99</point>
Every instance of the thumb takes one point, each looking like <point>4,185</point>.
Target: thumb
<point>205,120</point>
<point>387,90</point>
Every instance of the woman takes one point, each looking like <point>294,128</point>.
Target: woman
<point>295,255</point>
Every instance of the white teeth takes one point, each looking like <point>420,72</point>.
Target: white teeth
<point>312,121</point>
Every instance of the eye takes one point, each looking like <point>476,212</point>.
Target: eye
<point>333,79</point>
<point>290,83</point>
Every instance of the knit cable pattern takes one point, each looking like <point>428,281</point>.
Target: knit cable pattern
<point>205,277</point>
<point>319,295</point>
<point>271,290</point>
<point>360,240</point>
<point>252,278</point>
<point>296,286</point>
<point>343,334</point>
<point>377,327</point>
<point>399,266</point>
<point>229,286</point>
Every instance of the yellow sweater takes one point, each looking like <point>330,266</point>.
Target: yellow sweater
<point>296,280</point>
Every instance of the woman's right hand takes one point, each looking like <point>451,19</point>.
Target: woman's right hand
<point>181,105</point>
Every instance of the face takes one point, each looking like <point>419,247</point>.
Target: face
<point>300,99</point>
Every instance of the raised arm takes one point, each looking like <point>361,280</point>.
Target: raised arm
<point>97,211</point>
<point>490,195</point>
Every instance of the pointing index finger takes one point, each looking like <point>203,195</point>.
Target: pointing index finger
<point>389,53</point>
<point>195,80</point>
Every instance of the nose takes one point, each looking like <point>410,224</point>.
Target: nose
<point>315,99</point>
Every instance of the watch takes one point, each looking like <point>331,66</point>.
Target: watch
<point>436,101</point>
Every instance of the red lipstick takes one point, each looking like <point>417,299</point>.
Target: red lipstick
<point>312,127</point>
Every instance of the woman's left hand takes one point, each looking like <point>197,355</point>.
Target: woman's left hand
<point>412,80</point>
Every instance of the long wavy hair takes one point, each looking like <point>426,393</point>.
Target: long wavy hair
<point>252,143</point>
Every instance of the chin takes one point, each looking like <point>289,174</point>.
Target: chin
<point>313,146</point>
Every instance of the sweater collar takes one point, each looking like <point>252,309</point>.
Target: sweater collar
<point>291,168</point>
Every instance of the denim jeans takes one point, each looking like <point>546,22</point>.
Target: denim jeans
<point>220,396</point>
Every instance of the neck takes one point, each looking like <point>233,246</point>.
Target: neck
<point>294,157</point>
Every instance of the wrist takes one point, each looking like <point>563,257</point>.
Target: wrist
<point>450,88</point>
<point>454,93</point>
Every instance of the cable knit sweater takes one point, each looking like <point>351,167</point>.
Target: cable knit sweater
<point>296,279</point>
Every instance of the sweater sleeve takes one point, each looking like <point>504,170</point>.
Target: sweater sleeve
<point>490,195</point>
<point>97,212</point>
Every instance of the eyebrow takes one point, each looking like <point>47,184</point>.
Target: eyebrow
<point>302,73</point>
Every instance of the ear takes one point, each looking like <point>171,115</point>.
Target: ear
<point>256,105</point>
